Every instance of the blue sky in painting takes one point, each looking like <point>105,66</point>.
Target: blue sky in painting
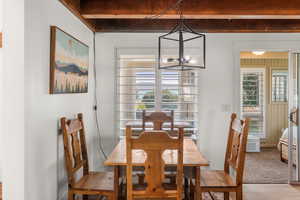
<point>70,51</point>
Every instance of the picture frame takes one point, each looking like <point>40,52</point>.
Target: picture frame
<point>69,63</point>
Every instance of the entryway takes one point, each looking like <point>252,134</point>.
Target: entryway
<point>264,99</point>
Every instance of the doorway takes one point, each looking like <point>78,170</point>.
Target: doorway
<point>264,99</point>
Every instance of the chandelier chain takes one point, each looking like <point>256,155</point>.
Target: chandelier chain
<point>176,6</point>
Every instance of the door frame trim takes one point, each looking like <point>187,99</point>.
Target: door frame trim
<point>267,45</point>
<point>291,106</point>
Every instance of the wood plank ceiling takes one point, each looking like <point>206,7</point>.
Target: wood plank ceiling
<point>203,15</point>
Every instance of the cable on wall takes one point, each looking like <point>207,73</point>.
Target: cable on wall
<point>100,146</point>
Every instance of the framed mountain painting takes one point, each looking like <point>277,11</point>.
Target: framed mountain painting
<point>69,63</point>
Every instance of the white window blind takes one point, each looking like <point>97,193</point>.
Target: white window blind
<point>253,99</point>
<point>141,86</point>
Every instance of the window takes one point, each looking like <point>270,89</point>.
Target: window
<point>253,99</point>
<point>279,85</point>
<point>141,86</point>
<point>179,93</point>
<point>136,87</point>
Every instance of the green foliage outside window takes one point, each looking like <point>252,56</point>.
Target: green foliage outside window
<point>167,96</point>
<point>251,90</point>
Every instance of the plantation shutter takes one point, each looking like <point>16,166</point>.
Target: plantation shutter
<point>141,86</point>
<point>179,92</point>
<point>135,88</point>
<point>253,100</point>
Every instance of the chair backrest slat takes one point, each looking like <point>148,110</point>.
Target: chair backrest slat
<point>73,126</point>
<point>75,149</point>
<point>236,147</point>
<point>158,119</point>
<point>154,143</point>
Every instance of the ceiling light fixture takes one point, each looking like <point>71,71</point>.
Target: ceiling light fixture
<point>259,52</point>
<point>186,43</point>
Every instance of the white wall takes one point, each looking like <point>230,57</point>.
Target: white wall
<point>12,109</point>
<point>44,168</point>
<point>217,83</point>
<point>1,67</point>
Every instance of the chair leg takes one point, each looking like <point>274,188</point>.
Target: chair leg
<point>226,195</point>
<point>179,196</point>
<point>141,179</point>
<point>173,180</point>
<point>125,192</point>
<point>99,197</point>
<point>115,196</point>
<point>239,194</point>
<point>200,195</point>
<point>186,189</point>
<point>111,197</point>
<point>122,193</point>
<point>71,196</point>
<point>192,190</point>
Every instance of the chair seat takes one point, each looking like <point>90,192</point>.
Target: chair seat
<point>216,179</point>
<point>161,195</point>
<point>96,181</point>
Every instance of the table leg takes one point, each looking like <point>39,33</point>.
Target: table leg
<point>116,181</point>
<point>198,194</point>
<point>186,189</point>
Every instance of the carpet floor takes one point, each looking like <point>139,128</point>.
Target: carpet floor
<point>265,167</point>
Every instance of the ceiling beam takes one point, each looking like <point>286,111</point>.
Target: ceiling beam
<point>230,16</point>
<point>195,16</point>
<point>192,9</point>
<point>74,7</point>
<point>200,25</point>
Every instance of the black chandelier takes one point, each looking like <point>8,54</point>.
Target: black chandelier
<point>182,48</point>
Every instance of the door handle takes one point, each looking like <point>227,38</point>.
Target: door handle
<point>294,116</point>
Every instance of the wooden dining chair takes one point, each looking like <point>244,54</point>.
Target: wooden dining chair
<point>158,119</point>
<point>76,159</point>
<point>221,180</point>
<point>154,143</point>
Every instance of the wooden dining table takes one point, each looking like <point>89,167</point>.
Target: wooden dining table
<point>192,158</point>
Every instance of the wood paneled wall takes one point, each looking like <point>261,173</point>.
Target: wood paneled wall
<point>276,113</point>
<point>277,119</point>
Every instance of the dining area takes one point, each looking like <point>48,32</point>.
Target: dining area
<point>131,99</point>
<point>158,163</point>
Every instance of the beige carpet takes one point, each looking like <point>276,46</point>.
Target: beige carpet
<point>265,168</point>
